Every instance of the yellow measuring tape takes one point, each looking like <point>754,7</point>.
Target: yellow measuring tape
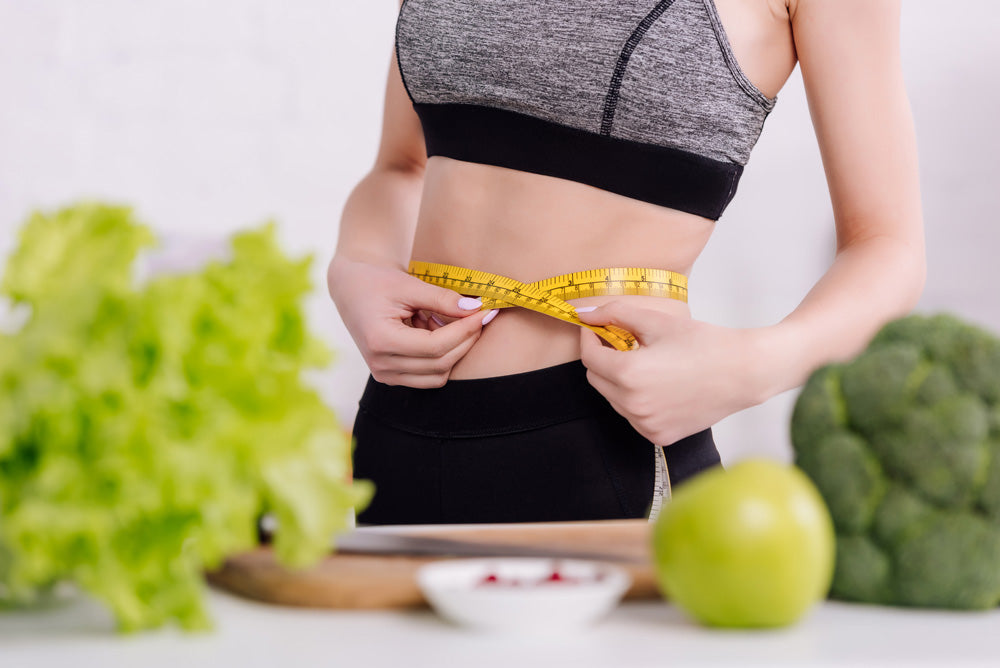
<point>549,295</point>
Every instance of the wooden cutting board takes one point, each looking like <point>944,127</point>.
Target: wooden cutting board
<point>388,581</point>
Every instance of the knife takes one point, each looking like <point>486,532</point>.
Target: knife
<point>379,541</point>
<point>362,542</point>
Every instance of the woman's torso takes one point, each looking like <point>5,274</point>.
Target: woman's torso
<point>531,226</point>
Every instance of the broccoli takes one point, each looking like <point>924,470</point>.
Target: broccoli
<point>903,443</point>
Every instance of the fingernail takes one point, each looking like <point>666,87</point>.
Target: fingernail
<point>585,309</point>
<point>489,316</point>
<point>468,303</point>
<point>436,319</point>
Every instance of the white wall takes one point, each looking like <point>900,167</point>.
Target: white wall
<point>212,116</point>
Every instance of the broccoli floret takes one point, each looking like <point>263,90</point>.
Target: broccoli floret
<point>971,352</point>
<point>941,451</point>
<point>903,443</point>
<point>952,563</point>
<point>848,476</point>
<point>975,359</point>
<point>863,572</point>
<point>900,515</point>
<point>820,409</point>
<point>879,387</point>
<point>937,384</point>
<point>934,334</point>
<point>989,500</point>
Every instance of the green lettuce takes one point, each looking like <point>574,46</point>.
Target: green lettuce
<point>144,429</point>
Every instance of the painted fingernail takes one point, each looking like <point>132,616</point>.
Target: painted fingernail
<point>585,309</point>
<point>489,316</point>
<point>436,319</point>
<point>468,303</point>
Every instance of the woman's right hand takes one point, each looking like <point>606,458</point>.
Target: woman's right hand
<point>380,307</point>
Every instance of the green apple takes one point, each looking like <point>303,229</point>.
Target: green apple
<point>750,546</point>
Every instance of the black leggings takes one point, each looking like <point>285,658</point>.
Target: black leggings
<point>542,445</point>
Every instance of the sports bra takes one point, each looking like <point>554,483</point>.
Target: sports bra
<point>643,98</point>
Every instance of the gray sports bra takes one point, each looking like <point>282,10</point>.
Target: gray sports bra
<point>639,97</point>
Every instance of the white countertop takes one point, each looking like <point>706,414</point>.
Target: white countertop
<point>638,633</point>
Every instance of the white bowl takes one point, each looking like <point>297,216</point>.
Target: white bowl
<point>453,589</point>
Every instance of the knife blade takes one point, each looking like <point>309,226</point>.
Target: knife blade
<point>361,542</point>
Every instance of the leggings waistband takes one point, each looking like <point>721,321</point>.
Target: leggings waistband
<point>473,407</point>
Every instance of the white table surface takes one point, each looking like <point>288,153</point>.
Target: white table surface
<point>79,634</point>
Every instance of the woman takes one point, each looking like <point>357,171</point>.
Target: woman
<point>530,139</point>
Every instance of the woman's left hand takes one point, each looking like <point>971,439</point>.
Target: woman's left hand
<point>685,376</point>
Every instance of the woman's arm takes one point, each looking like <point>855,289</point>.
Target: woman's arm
<point>849,56</point>
<point>380,216</point>
<point>687,374</point>
<point>378,301</point>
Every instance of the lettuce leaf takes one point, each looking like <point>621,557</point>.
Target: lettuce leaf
<point>145,429</point>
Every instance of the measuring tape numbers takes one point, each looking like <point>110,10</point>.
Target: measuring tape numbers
<point>549,296</point>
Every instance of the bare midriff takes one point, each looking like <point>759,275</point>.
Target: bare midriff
<point>529,227</point>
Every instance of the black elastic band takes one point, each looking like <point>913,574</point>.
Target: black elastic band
<point>662,175</point>
<point>474,407</point>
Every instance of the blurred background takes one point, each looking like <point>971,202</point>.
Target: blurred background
<point>210,117</point>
